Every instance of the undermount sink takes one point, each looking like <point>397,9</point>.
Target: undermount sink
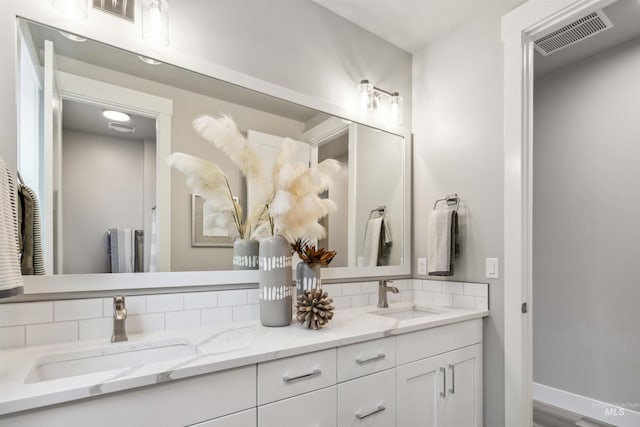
<point>405,313</point>
<point>113,356</point>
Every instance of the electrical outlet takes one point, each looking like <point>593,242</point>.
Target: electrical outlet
<point>422,266</point>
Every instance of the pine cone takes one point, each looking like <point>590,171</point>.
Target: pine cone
<point>314,309</point>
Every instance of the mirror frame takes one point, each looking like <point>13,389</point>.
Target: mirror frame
<point>103,29</point>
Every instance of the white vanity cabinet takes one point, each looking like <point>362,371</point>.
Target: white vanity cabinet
<point>442,390</point>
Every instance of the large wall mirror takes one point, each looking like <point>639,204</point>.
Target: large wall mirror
<point>95,175</point>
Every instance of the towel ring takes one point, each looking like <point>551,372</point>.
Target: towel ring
<point>450,200</point>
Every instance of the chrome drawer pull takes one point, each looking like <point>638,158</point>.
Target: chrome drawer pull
<point>379,409</point>
<point>452,390</point>
<point>311,374</point>
<point>371,359</point>
<point>443,371</point>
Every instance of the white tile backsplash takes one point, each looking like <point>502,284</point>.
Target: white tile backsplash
<point>67,320</point>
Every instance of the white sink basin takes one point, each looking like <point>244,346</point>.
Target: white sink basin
<point>405,313</point>
<point>113,356</point>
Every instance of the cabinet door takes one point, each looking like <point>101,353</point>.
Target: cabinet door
<point>315,409</point>
<point>463,404</point>
<point>421,391</point>
<point>368,401</point>
<point>241,419</point>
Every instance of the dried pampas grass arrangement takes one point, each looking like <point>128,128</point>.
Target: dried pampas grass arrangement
<point>288,198</point>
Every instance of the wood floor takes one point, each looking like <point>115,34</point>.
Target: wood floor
<point>549,416</point>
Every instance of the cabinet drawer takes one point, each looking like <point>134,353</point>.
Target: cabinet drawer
<point>366,358</point>
<point>315,409</point>
<point>368,401</point>
<point>241,419</point>
<point>427,343</point>
<point>296,375</point>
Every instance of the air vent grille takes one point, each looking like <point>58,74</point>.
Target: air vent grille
<point>122,127</point>
<point>572,33</point>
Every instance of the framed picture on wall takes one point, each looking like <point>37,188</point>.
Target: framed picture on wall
<point>203,229</point>
<point>121,8</point>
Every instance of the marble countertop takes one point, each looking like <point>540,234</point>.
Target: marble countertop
<point>219,347</point>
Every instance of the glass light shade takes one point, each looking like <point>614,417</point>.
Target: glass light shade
<point>155,22</point>
<point>367,97</point>
<point>396,108</point>
<point>73,8</point>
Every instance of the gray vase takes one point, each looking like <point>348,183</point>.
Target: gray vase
<point>245,254</point>
<point>307,277</point>
<point>274,278</point>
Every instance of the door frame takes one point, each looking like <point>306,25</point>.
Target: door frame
<point>520,28</point>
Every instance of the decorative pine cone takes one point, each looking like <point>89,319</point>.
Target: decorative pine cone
<point>314,309</point>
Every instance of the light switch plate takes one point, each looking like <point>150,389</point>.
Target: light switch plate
<point>422,266</point>
<point>492,268</point>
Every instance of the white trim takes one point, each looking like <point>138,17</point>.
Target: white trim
<point>519,28</point>
<point>585,406</point>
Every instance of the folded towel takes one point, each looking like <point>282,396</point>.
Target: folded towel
<point>442,232</point>
<point>10,277</point>
<point>372,242</point>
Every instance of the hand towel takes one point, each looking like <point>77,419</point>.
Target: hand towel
<point>372,242</point>
<point>442,231</point>
<point>121,250</point>
<point>29,231</point>
<point>10,277</point>
<point>384,247</point>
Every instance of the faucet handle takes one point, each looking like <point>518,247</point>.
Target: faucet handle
<point>119,308</point>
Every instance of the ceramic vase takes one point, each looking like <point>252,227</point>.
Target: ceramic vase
<point>274,279</point>
<point>245,254</point>
<point>307,277</point>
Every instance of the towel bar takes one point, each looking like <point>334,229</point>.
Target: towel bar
<point>450,199</point>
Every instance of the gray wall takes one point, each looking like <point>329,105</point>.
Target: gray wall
<point>458,148</point>
<point>586,323</point>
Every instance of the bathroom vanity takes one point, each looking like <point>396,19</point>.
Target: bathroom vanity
<point>383,367</point>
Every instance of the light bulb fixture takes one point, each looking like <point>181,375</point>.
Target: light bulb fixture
<point>371,98</point>
<point>155,22</point>
<point>73,8</point>
<point>118,116</point>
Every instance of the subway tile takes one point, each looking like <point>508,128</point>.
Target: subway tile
<point>92,329</point>
<point>135,305</point>
<point>373,299</point>
<point>253,296</point>
<point>165,302</point>
<point>229,298</point>
<point>464,301</point>
<point>452,288</point>
<point>26,313</point>
<point>403,284</point>
<point>195,300</point>
<point>394,298</point>
<point>342,302</point>
<point>77,309</point>
<point>214,316</point>
<point>476,289</point>
<point>406,296</point>
<point>351,288</point>
<point>442,299</point>
<point>416,284</point>
<point>182,319</point>
<point>482,303</point>
<point>432,285</point>
<point>246,312</point>
<point>145,323</point>
<point>423,297</point>
<point>334,290</point>
<point>50,333</point>
<point>368,287</point>
<point>12,337</point>
<point>359,300</point>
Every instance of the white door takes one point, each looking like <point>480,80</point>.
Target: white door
<point>51,203</point>
<point>421,390</point>
<point>463,404</point>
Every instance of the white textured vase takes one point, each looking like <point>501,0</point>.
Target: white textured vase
<point>274,278</point>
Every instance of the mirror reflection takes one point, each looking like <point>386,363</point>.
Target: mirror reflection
<point>98,178</point>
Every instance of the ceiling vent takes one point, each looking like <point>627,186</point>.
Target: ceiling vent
<point>122,127</point>
<point>572,33</point>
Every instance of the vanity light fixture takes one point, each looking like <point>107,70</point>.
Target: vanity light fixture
<point>72,37</point>
<point>148,60</point>
<point>72,8</point>
<point>372,96</point>
<point>118,116</point>
<point>155,22</point>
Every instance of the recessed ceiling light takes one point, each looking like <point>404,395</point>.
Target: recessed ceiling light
<point>116,115</point>
<point>72,36</point>
<point>149,61</point>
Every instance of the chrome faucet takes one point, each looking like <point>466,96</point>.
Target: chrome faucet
<point>119,317</point>
<point>383,288</point>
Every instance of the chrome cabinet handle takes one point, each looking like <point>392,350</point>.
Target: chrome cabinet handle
<point>443,371</point>
<point>311,374</point>
<point>378,409</point>
<point>452,390</point>
<point>371,359</point>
